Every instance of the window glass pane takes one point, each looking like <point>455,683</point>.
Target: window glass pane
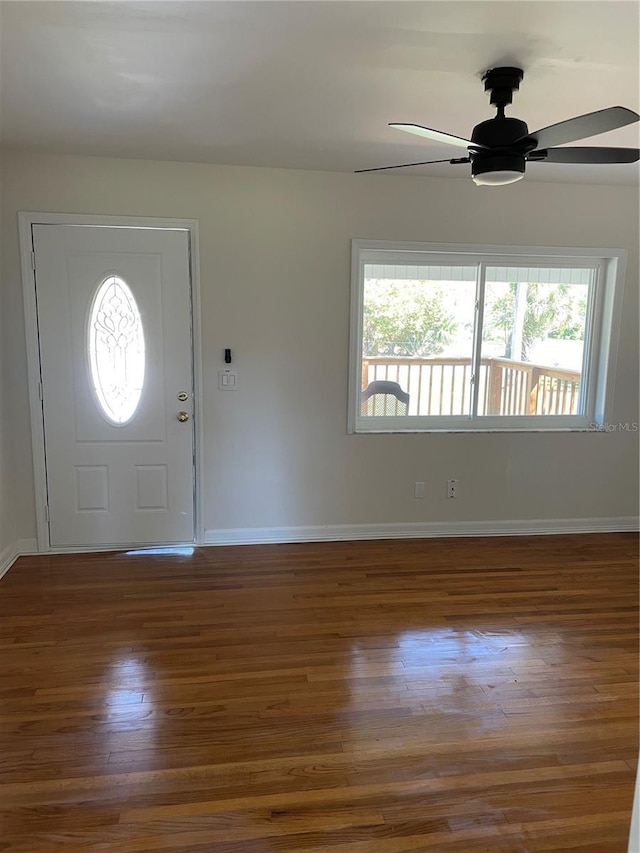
<point>418,324</point>
<point>116,350</point>
<point>533,340</point>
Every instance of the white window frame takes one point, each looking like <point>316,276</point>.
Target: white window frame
<point>601,342</point>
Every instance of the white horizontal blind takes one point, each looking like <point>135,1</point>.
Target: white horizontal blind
<point>429,272</point>
<point>541,275</point>
<point>419,272</point>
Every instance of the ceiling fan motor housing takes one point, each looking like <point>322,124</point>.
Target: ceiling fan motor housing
<point>505,144</point>
<point>501,133</point>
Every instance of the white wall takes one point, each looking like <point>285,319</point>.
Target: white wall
<point>275,262</point>
<point>7,519</point>
<point>634,830</point>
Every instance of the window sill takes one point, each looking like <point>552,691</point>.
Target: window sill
<point>477,430</point>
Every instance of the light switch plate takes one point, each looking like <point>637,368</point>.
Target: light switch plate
<point>228,380</point>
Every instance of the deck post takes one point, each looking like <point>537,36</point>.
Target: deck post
<point>495,388</point>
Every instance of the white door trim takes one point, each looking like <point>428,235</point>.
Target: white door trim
<point>25,220</point>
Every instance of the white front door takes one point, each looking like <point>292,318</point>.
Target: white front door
<point>114,323</point>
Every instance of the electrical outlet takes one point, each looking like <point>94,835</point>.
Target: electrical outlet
<point>418,489</point>
<point>452,488</point>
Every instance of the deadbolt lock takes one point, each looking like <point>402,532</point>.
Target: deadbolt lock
<point>183,396</point>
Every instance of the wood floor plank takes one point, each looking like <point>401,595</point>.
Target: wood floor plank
<point>459,695</point>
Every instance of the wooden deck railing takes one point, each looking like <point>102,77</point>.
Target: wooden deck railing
<point>442,386</point>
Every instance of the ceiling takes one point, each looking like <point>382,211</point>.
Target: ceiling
<point>307,85</point>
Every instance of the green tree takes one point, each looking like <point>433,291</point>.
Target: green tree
<point>551,311</point>
<point>405,318</point>
<point>571,325</point>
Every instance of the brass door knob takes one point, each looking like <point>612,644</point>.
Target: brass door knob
<point>182,416</point>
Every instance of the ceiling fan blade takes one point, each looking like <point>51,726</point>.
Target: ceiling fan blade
<point>586,155</point>
<point>581,127</point>
<point>436,135</point>
<point>423,163</point>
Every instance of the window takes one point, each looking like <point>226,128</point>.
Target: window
<point>115,343</point>
<point>481,337</point>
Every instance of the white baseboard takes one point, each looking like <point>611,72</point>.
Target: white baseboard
<point>15,550</point>
<point>8,558</point>
<point>348,532</point>
<point>417,530</point>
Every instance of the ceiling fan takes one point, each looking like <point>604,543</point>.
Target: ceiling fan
<point>500,147</point>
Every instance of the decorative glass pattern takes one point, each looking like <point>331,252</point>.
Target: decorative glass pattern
<point>116,350</point>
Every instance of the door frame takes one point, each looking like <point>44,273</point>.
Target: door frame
<point>26,219</point>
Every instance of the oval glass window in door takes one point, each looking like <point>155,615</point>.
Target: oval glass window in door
<point>116,350</point>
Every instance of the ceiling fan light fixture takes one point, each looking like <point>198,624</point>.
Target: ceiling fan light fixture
<point>498,178</point>
<point>497,170</point>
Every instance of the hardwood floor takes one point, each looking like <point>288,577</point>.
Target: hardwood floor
<point>378,697</point>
